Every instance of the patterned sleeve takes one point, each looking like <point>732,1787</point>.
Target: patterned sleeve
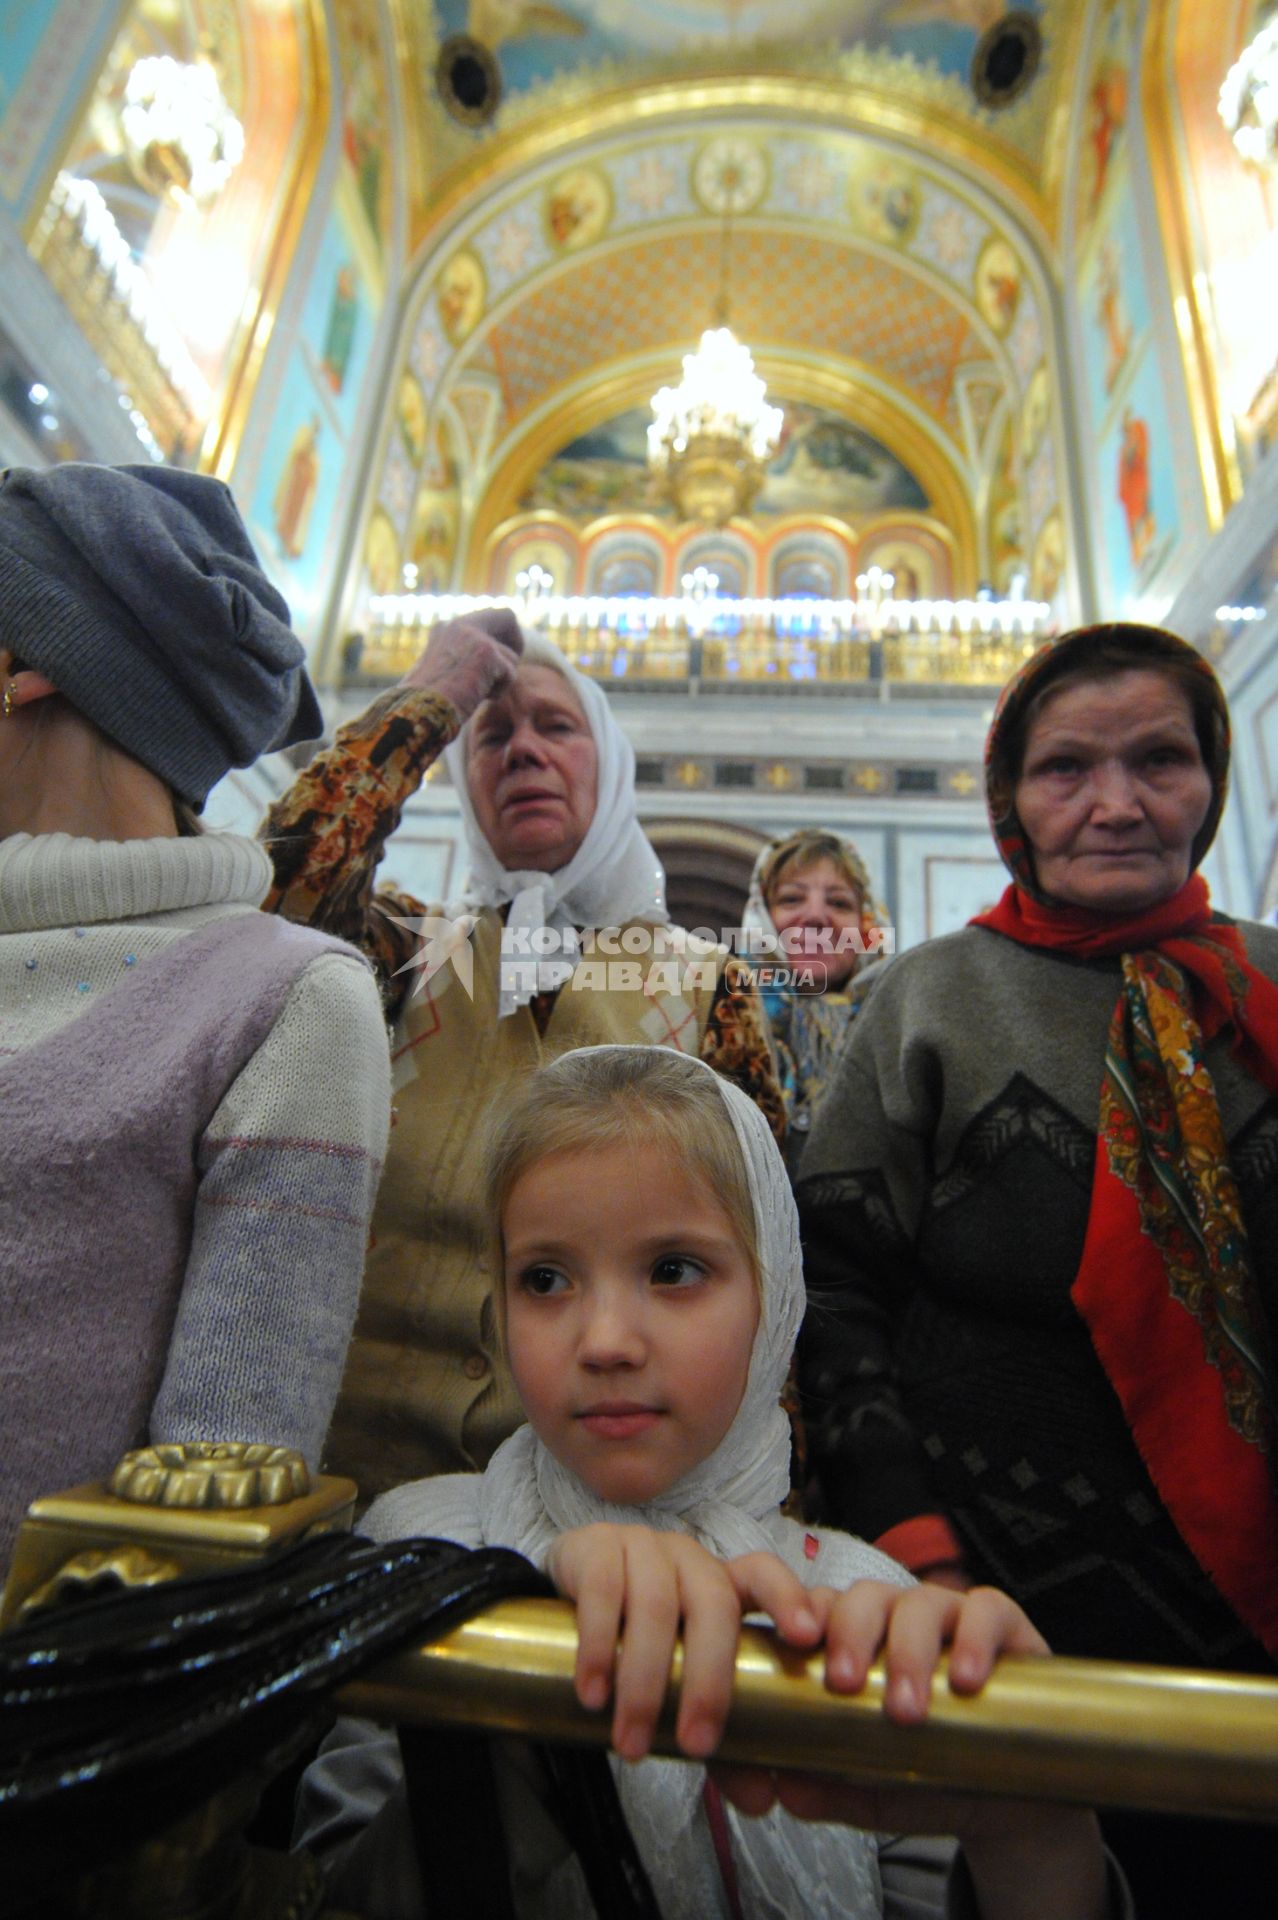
<point>738,1045</point>
<point>326,835</point>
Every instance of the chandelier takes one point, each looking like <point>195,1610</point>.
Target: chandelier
<point>712,436</point>
<point>182,138</point>
<point>1248,102</point>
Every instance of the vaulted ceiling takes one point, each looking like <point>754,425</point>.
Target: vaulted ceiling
<point>892,248</point>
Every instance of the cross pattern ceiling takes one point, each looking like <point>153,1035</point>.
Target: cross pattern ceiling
<point>790,292</point>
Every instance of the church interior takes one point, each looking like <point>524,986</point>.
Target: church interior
<point>796,367</point>
<point>408,277</point>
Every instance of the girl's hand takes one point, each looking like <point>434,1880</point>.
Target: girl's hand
<point>910,1626</point>
<point>645,1588</point>
<point>1029,1860</point>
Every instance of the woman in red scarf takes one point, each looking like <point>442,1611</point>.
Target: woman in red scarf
<point>1040,1208</point>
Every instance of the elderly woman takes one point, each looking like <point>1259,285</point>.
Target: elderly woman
<point>810,894</point>
<point>545,780</point>
<point>1041,1215</point>
<point>194,1098</point>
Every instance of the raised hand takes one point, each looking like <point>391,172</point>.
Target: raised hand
<point>468,659</point>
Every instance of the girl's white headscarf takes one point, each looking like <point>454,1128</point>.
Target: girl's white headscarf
<point>613,877</point>
<point>527,1497</point>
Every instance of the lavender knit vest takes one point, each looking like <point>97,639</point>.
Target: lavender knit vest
<point>99,1131</point>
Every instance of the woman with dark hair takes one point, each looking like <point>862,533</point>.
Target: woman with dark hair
<point>1041,1216</point>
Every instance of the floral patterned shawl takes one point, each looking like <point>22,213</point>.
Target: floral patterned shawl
<point>1166,1286</point>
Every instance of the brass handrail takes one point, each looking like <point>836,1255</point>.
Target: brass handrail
<point>1091,1732</point>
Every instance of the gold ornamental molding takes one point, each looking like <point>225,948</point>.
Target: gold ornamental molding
<point>410,62</point>
<point>220,448</point>
<point>211,1473</point>
<point>1214,434</point>
<point>832,102</point>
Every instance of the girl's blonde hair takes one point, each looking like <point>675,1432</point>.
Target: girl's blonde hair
<point>602,1097</point>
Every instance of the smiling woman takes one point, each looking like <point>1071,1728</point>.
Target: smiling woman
<point>1041,1221</point>
<point>811,893</point>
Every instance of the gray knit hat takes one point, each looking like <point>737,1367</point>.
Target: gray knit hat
<point>137,591</point>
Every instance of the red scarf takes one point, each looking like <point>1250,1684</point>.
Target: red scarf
<point>1165,1286</point>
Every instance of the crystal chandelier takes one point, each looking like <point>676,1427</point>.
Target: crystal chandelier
<point>182,138</point>
<point>1249,97</point>
<point>712,436</point>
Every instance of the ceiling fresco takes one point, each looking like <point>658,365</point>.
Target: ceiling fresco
<point>893,292</point>
<point>908,64</point>
<point>823,465</point>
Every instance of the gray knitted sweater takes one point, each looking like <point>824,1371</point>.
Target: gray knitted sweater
<point>193,1110</point>
<point>944,1203</point>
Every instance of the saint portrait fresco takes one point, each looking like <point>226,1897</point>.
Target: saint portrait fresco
<point>381,553</point>
<point>883,202</point>
<point>578,208</point>
<point>998,285</point>
<point>1134,485</point>
<point>1034,413</point>
<point>1049,559</point>
<point>411,416</point>
<point>461,293</point>
<point>295,491</point>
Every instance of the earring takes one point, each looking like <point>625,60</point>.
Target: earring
<point>9,703</point>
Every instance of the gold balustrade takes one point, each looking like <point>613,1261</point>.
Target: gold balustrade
<point>756,654</point>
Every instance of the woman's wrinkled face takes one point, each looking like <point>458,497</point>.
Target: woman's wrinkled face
<point>817,911</point>
<point>1113,791</point>
<point>532,771</point>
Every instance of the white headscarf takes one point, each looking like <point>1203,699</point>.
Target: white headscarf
<point>527,1497</point>
<point>613,877</point>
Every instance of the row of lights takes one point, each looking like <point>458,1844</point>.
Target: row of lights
<point>699,611</point>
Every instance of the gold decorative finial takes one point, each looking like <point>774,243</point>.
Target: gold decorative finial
<point>211,1473</point>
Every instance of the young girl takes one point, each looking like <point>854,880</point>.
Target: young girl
<point>652,1294</point>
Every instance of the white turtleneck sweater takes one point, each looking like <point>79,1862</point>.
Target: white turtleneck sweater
<point>194,1102</point>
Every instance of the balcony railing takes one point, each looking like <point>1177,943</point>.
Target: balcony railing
<point>90,265</point>
<point>721,643</point>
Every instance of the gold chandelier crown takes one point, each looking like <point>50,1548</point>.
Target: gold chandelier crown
<point>711,437</point>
